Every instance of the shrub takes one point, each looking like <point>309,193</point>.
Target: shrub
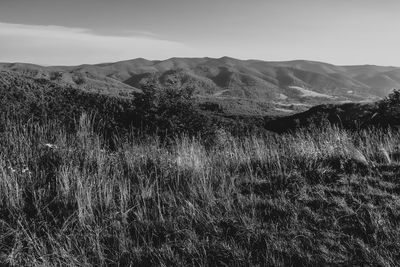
<point>388,113</point>
<point>168,111</point>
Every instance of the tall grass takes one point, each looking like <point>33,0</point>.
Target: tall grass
<point>315,197</point>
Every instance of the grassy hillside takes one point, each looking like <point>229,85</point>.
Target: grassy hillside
<point>320,197</point>
<point>160,178</point>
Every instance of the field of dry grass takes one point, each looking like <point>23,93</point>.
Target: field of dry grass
<point>315,197</point>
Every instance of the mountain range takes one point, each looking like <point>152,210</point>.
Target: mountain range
<point>250,87</point>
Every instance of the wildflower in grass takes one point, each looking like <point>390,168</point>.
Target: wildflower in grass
<point>25,170</point>
<point>385,154</point>
<point>51,146</point>
<point>12,170</point>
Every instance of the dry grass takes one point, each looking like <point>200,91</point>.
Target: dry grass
<point>323,197</point>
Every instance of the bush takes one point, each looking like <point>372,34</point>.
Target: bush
<point>388,113</point>
<point>168,112</point>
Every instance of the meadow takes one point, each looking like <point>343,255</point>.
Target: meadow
<point>318,196</point>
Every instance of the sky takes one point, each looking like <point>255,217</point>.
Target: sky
<point>60,32</point>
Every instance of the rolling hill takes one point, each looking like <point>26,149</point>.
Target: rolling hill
<point>381,114</point>
<point>250,87</point>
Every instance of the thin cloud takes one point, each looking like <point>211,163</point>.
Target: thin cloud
<point>139,33</point>
<point>57,45</point>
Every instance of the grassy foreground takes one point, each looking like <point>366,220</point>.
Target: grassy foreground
<point>321,197</point>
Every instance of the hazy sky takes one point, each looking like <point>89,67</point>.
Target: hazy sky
<point>68,32</point>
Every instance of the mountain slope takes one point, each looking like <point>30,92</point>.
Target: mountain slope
<point>222,80</point>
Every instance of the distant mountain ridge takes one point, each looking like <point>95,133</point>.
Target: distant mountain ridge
<point>284,85</point>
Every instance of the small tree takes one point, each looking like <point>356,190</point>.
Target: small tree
<point>389,109</point>
<point>394,97</point>
<point>167,111</point>
<point>392,100</point>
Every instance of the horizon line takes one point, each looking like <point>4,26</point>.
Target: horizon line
<point>205,57</point>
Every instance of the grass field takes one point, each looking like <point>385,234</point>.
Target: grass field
<point>312,198</point>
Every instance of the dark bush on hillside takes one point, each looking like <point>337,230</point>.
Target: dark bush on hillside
<point>168,111</point>
<point>388,113</point>
<point>394,97</point>
<point>210,106</point>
